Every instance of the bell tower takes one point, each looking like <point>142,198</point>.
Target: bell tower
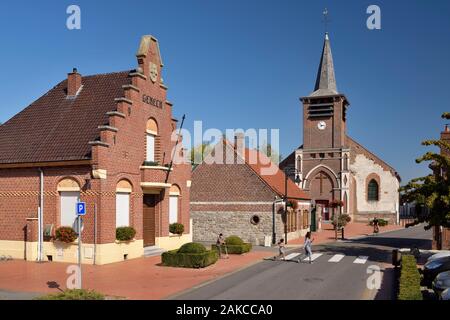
<point>324,110</point>
<point>323,161</point>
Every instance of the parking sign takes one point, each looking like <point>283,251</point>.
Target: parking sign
<point>81,208</point>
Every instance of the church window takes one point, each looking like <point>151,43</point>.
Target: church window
<point>345,162</point>
<point>372,191</point>
<point>322,155</point>
<point>299,163</point>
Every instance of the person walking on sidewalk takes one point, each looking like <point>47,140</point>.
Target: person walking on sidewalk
<point>376,227</point>
<point>221,242</point>
<point>281,250</point>
<point>308,245</point>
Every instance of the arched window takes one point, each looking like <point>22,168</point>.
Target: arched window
<point>372,190</point>
<point>123,191</point>
<point>69,195</point>
<point>152,132</point>
<point>174,196</point>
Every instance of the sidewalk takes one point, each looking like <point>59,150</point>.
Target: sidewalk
<point>352,230</point>
<point>141,278</point>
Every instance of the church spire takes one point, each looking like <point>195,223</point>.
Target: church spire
<point>326,81</point>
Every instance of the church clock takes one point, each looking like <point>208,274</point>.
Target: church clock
<point>321,125</point>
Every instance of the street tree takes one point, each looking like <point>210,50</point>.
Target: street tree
<point>433,190</point>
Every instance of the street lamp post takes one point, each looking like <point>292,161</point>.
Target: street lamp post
<point>297,180</point>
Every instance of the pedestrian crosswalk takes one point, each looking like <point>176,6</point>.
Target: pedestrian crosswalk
<point>336,258</point>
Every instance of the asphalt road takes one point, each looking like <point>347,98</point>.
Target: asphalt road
<point>344,279</point>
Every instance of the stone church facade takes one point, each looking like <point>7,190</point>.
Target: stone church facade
<point>333,166</point>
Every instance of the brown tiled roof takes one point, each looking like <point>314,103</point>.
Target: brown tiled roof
<point>57,128</point>
<point>276,179</point>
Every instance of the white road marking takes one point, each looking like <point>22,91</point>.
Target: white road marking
<point>336,258</point>
<point>292,256</point>
<point>314,256</point>
<point>361,259</point>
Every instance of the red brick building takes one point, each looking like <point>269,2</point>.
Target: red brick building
<point>244,197</point>
<point>106,140</point>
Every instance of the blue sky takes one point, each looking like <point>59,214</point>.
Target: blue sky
<point>244,64</point>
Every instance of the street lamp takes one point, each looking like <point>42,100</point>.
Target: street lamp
<point>297,180</point>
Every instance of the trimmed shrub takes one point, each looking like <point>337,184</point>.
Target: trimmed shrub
<point>234,240</point>
<point>409,288</point>
<point>74,294</point>
<point>125,233</point>
<point>192,247</point>
<point>234,249</point>
<point>176,228</point>
<point>175,258</point>
<point>66,234</point>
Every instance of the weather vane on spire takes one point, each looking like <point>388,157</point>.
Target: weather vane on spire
<point>326,19</point>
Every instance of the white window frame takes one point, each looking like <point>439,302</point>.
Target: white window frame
<point>150,149</point>
<point>122,209</point>
<point>68,208</point>
<point>173,208</point>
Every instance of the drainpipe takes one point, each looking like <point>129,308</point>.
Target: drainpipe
<point>41,216</point>
<point>95,233</point>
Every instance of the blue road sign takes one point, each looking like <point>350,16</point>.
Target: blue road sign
<point>81,208</point>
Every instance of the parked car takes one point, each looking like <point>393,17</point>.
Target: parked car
<point>441,254</point>
<point>445,295</point>
<point>433,268</point>
<point>441,282</point>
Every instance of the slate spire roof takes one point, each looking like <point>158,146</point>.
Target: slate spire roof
<point>326,81</point>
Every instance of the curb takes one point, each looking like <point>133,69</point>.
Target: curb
<point>172,296</point>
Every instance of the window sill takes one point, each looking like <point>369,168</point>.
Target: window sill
<point>174,235</point>
<point>124,241</point>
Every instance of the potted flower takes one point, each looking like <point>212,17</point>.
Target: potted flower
<point>176,228</point>
<point>66,234</point>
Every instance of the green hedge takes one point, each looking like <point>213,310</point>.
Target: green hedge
<point>234,240</point>
<point>409,279</point>
<point>234,249</point>
<point>74,294</point>
<point>192,247</point>
<point>175,258</point>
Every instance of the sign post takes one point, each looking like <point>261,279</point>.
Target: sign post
<point>81,211</point>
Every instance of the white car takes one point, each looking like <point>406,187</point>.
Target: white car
<point>440,254</point>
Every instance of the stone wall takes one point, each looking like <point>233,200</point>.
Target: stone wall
<point>387,205</point>
<point>208,225</point>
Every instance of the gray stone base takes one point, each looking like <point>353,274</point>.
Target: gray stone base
<point>366,217</point>
<point>208,225</point>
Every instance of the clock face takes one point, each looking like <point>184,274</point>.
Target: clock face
<point>321,125</point>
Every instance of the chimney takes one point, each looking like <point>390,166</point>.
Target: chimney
<point>73,82</point>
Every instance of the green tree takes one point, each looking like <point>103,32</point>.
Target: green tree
<point>266,148</point>
<point>199,152</point>
<point>432,191</point>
